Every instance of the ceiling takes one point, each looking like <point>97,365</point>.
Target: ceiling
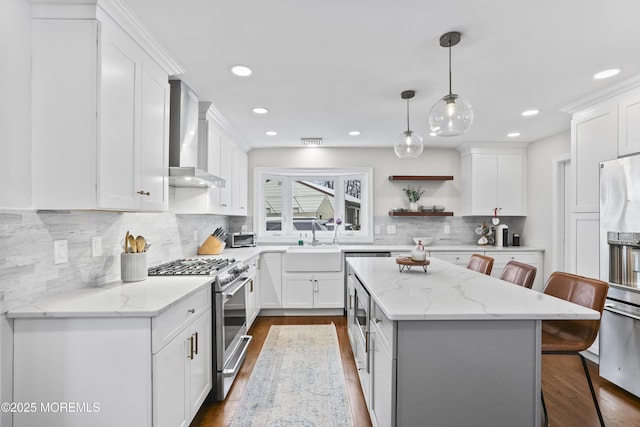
<point>324,68</point>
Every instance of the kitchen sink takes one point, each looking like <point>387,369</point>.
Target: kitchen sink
<point>313,258</point>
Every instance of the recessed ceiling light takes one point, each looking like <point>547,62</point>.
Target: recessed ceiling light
<point>513,134</point>
<point>529,113</point>
<point>260,110</point>
<point>241,70</point>
<point>271,132</point>
<point>354,133</point>
<point>605,74</point>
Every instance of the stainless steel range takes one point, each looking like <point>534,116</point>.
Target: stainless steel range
<point>230,339</point>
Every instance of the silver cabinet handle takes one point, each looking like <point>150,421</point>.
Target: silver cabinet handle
<point>609,308</point>
<point>376,321</point>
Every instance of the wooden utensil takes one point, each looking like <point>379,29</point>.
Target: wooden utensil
<point>140,244</point>
<point>126,242</point>
<point>132,243</point>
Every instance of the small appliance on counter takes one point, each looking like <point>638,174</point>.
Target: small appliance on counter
<point>241,240</point>
<point>502,235</point>
<point>516,239</point>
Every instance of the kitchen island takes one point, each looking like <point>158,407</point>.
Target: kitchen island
<point>453,347</point>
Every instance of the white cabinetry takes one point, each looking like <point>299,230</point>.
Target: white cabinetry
<point>253,293</point>
<point>139,371</point>
<point>182,374</point>
<point>457,258</point>
<point>100,108</point>
<point>313,290</point>
<point>629,123</point>
<point>593,140</point>
<point>493,178</point>
<point>383,370</point>
<point>270,273</point>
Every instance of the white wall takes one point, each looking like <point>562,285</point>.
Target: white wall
<point>537,228</point>
<point>15,104</point>
<point>387,195</point>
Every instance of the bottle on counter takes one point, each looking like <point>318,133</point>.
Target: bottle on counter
<point>419,253</point>
<point>300,240</point>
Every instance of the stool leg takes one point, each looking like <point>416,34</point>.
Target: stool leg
<point>593,392</point>
<point>544,409</point>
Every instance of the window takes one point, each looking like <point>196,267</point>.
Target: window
<point>292,202</point>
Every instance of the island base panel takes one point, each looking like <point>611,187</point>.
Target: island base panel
<point>476,372</point>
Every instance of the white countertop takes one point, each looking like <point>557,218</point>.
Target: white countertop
<point>150,297</point>
<point>146,298</point>
<point>449,292</point>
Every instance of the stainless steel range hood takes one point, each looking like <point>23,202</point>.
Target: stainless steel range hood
<point>187,160</point>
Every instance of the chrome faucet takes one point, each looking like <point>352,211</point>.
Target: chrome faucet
<point>313,232</point>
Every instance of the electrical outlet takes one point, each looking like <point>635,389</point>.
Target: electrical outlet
<point>195,235</point>
<point>96,246</point>
<point>447,229</point>
<point>391,229</point>
<point>377,229</point>
<point>60,252</point>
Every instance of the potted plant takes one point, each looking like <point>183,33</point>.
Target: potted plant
<point>413,194</point>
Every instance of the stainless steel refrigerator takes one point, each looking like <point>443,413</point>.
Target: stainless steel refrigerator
<point>620,266</point>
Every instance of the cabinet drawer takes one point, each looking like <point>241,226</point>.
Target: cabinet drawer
<point>458,258</point>
<point>170,323</point>
<point>505,257</point>
<point>385,326</point>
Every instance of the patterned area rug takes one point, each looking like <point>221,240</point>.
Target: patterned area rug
<point>297,381</point>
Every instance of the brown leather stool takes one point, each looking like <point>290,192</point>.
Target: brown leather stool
<point>570,337</point>
<point>519,273</point>
<point>480,263</point>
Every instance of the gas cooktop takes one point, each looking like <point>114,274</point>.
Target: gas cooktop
<point>192,267</point>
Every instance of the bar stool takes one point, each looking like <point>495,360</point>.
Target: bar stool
<point>570,337</point>
<point>519,273</point>
<point>480,263</point>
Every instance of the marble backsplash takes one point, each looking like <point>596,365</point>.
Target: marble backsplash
<point>28,273</point>
<point>27,269</point>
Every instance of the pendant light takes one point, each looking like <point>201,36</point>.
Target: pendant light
<point>452,115</point>
<point>409,144</point>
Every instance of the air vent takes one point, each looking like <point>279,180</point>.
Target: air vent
<point>311,141</point>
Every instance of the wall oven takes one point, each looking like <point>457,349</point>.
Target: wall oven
<point>230,326</point>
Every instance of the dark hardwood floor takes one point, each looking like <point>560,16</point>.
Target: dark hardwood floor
<point>566,390</point>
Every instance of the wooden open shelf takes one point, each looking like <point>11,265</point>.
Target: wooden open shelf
<point>407,213</point>
<point>420,177</point>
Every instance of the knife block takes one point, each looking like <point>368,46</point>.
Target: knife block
<point>211,246</point>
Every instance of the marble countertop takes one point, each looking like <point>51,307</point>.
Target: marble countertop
<point>146,298</point>
<point>449,292</point>
<point>156,294</point>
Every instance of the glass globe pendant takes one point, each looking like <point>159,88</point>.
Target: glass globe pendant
<point>409,144</point>
<point>452,115</point>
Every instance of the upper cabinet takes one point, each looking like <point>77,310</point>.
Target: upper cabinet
<point>629,123</point>
<point>493,178</point>
<point>593,140</point>
<point>100,110</point>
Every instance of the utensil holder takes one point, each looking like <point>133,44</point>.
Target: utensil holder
<point>133,267</point>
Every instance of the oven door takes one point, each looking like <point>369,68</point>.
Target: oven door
<point>232,340</point>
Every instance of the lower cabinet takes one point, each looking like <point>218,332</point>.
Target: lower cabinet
<point>313,290</point>
<point>501,258</point>
<point>383,371</point>
<point>115,371</point>
<point>270,274</point>
<point>182,374</point>
<point>457,258</point>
